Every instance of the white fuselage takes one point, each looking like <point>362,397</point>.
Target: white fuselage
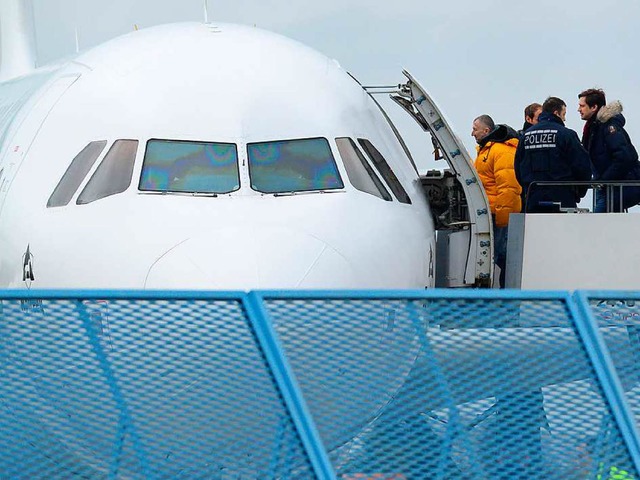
<point>201,83</point>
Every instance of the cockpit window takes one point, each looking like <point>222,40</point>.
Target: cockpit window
<point>113,175</point>
<point>190,167</point>
<point>75,174</point>
<point>293,166</point>
<point>385,170</point>
<point>359,171</point>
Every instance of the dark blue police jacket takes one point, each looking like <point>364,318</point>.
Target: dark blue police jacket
<point>549,151</point>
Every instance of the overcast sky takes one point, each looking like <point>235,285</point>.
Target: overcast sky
<point>474,57</point>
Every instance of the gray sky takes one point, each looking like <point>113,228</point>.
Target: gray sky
<point>474,57</point>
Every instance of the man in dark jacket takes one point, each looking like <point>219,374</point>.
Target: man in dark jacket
<point>549,151</point>
<point>613,156</point>
<point>531,114</point>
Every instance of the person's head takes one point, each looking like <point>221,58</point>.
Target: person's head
<point>482,126</point>
<point>590,101</point>
<point>531,113</point>
<point>555,106</point>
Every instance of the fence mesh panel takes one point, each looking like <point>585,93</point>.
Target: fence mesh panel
<point>139,389</point>
<point>618,319</point>
<point>451,388</point>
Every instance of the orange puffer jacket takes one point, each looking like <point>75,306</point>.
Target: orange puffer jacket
<point>494,165</point>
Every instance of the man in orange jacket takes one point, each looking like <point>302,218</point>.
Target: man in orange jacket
<point>496,151</point>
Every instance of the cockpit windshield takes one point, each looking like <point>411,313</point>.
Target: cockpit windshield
<point>190,167</point>
<point>293,166</point>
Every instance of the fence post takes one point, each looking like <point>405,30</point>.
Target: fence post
<point>604,368</point>
<point>288,385</point>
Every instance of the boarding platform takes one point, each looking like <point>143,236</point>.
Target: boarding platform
<point>351,385</point>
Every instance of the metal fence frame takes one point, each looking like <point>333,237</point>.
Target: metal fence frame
<point>254,305</point>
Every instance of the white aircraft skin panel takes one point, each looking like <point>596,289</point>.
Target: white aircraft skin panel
<point>262,84</point>
<point>269,250</point>
<point>13,99</point>
<point>327,264</point>
<point>17,99</point>
<point>284,91</point>
<point>19,138</point>
<point>156,224</point>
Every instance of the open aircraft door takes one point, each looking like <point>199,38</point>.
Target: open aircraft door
<point>458,201</point>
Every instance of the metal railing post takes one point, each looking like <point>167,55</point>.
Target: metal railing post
<point>288,385</point>
<point>604,367</point>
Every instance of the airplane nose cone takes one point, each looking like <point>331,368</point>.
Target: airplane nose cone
<point>245,258</point>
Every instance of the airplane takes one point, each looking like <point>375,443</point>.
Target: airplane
<point>141,164</point>
<point>213,157</point>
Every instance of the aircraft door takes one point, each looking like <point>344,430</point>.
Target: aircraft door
<point>456,196</point>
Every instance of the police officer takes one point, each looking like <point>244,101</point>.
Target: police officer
<point>549,151</point>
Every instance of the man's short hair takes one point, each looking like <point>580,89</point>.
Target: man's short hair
<point>487,121</point>
<point>530,110</point>
<point>594,96</point>
<point>553,104</point>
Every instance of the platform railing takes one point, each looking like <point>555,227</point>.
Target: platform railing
<point>610,188</point>
<point>323,384</point>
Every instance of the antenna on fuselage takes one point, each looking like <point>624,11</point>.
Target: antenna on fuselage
<point>206,11</point>
<point>77,41</point>
<point>17,39</point>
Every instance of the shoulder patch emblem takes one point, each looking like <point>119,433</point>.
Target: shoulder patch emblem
<point>612,129</point>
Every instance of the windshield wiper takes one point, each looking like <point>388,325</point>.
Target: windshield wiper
<point>188,194</point>
<point>303,192</point>
<point>203,194</point>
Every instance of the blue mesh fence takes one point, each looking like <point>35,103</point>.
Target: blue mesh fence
<point>617,318</point>
<point>350,385</point>
<point>439,385</point>
<point>140,388</point>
